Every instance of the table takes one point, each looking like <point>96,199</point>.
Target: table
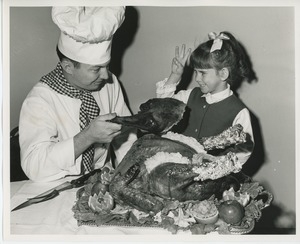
<point>53,221</point>
<point>55,216</point>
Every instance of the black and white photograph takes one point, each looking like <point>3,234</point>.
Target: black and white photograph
<point>150,121</point>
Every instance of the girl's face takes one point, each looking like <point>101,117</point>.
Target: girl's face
<point>209,80</point>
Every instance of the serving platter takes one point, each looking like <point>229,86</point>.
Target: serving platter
<point>176,216</point>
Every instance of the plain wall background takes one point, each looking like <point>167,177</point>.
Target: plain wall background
<point>142,53</point>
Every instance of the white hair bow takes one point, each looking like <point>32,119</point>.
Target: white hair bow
<point>218,40</point>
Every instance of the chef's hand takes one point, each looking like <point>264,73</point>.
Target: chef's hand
<point>101,131</point>
<point>98,131</point>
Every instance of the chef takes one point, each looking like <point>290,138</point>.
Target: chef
<point>64,123</point>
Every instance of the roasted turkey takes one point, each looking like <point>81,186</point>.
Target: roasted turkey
<point>157,168</point>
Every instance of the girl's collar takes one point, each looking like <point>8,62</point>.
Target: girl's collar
<point>219,96</point>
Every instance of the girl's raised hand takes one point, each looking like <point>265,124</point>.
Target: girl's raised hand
<point>178,62</point>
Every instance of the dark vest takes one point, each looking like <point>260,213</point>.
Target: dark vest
<point>202,119</point>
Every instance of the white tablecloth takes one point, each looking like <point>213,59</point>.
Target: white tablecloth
<point>55,216</point>
<point>53,221</point>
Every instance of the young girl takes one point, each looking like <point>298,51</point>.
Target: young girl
<point>212,107</point>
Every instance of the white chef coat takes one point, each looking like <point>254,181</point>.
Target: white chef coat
<point>48,123</point>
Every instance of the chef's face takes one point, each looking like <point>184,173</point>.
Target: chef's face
<point>89,77</point>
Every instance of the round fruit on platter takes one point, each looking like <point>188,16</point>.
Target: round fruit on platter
<point>231,211</point>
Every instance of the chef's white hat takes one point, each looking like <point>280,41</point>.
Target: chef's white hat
<point>86,32</point>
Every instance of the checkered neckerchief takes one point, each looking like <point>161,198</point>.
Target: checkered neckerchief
<point>88,109</point>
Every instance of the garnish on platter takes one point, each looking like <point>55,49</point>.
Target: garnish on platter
<point>235,213</point>
<point>101,202</point>
<point>205,212</point>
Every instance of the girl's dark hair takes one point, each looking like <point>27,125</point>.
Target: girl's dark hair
<point>62,56</point>
<point>230,56</point>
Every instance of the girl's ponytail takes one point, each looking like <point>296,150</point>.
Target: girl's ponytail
<point>243,70</point>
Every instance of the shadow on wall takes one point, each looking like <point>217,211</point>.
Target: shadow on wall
<point>257,157</point>
<point>123,38</point>
<point>275,219</point>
